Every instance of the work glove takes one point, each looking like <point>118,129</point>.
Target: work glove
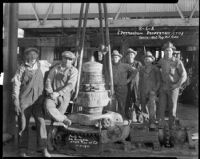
<point>54,95</point>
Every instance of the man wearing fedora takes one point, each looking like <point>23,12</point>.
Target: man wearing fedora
<point>133,84</point>
<point>59,86</point>
<point>120,74</point>
<point>149,83</point>
<point>173,75</point>
<point>28,100</point>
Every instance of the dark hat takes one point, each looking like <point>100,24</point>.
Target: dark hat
<point>68,54</point>
<point>168,45</point>
<point>129,50</point>
<point>116,53</point>
<point>149,54</point>
<point>26,51</point>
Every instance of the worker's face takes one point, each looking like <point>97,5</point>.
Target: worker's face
<point>67,61</point>
<point>131,57</point>
<point>31,57</point>
<point>100,56</point>
<point>148,61</point>
<point>115,59</point>
<point>168,52</point>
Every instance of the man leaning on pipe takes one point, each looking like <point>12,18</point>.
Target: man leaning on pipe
<point>28,97</point>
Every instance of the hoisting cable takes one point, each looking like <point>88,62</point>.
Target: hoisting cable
<point>81,50</point>
<point>101,25</point>
<point>109,49</point>
<point>78,34</point>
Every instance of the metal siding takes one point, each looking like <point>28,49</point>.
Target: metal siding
<point>71,8</point>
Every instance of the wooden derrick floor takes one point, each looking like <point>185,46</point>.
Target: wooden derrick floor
<point>187,114</point>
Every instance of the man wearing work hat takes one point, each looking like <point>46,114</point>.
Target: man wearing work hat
<point>173,75</point>
<point>133,84</point>
<point>120,74</point>
<point>149,83</point>
<point>28,99</point>
<point>59,85</point>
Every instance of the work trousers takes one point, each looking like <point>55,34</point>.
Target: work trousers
<point>130,101</point>
<point>57,108</point>
<point>151,111</point>
<point>23,120</point>
<point>121,95</point>
<point>168,98</point>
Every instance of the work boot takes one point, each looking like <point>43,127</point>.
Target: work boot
<point>23,153</point>
<point>45,153</point>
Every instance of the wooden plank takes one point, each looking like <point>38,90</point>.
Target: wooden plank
<point>112,23</point>
<point>111,15</point>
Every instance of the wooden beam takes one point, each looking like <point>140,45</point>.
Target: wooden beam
<point>180,12</point>
<point>192,13</point>
<point>115,23</point>
<point>118,12</point>
<point>111,15</point>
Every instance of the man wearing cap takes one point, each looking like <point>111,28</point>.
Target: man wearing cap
<point>173,75</point>
<point>149,83</point>
<point>59,85</point>
<point>28,99</point>
<point>133,84</point>
<point>120,74</point>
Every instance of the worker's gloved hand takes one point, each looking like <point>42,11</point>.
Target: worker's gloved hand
<point>17,107</point>
<point>67,122</point>
<point>54,95</point>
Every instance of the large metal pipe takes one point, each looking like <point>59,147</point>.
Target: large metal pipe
<point>10,43</point>
<point>100,22</point>
<point>79,33</point>
<point>109,49</point>
<point>82,50</point>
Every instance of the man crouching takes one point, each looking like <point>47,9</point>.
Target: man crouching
<point>60,82</point>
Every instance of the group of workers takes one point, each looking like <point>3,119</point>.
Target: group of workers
<point>151,88</point>
<point>134,85</point>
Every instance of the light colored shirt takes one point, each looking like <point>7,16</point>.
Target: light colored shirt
<point>172,71</point>
<point>120,73</point>
<point>61,80</point>
<point>17,79</point>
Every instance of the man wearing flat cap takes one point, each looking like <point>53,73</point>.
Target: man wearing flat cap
<point>59,86</point>
<point>149,83</point>
<point>133,84</point>
<point>173,75</point>
<point>120,79</point>
<point>28,100</point>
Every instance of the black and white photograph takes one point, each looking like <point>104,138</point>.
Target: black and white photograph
<point>100,79</point>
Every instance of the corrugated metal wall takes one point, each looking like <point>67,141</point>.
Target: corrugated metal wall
<point>74,8</point>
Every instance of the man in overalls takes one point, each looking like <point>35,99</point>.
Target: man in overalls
<point>28,100</point>
<point>59,85</point>
<point>173,76</point>
<point>133,84</point>
<point>120,79</point>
